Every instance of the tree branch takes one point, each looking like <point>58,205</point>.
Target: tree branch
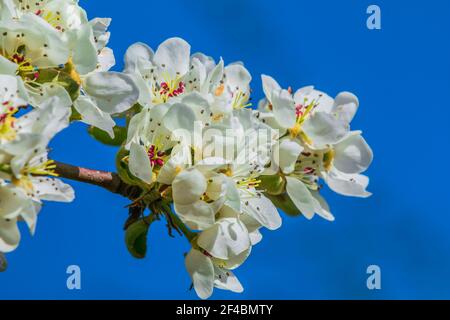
<point>106,180</point>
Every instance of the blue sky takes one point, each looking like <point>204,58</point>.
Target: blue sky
<point>401,74</point>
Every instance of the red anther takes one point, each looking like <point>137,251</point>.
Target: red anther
<point>38,12</point>
<point>5,103</point>
<point>159,162</point>
<point>161,153</point>
<point>2,117</point>
<point>298,110</point>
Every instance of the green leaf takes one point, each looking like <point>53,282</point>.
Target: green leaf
<point>273,185</point>
<point>284,203</point>
<point>3,262</point>
<point>136,238</point>
<point>120,134</point>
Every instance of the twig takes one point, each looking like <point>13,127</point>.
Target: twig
<point>107,180</point>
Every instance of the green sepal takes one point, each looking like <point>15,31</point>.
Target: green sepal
<point>284,203</point>
<point>136,238</point>
<point>273,185</point>
<point>122,167</point>
<point>62,78</point>
<point>120,134</point>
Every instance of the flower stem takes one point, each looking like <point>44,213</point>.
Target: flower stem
<point>179,224</point>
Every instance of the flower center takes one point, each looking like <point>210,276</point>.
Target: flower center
<point>7,127</point>
<point>156,157</point>
<point>240,100</point>
<point>44,168</point>
<point>168,89</point>
<point>52,17</point>
<point>25,67</point>
<point>301,113</point>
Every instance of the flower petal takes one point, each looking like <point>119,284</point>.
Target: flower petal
<point>345,106</point>
<point>139,163</point>
<point>52,189</point>
<point>135,53</point>
<point>352,154</point>
<point>227,238</point>
<point>283,108</point>
<point>269,85</point>
<point>188,187</point>
<point>91,114</point>
<point>173,56</point>
<point>353,185</point>
<point>262,210</point>
<point>113,92</point>
<point>197,216</point>
<point>301,197</point>
<point>9,235</point>
<point>285,154</point>
<point>323,129</point>
<point>201,270</point>
<point>225,279</point>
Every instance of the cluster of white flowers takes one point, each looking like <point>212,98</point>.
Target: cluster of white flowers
<point>222,163</point>
<point>53,69</point>
<point>200,155</point>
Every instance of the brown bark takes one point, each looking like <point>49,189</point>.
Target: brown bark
<point>107,180</point>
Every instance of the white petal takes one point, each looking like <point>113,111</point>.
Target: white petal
<point>269,85</point>
<point>106,59</point>
<point>91,114</point>
<point>9,235</point>
<point>180,121</point>
<point>225,239</point>
<point>353,185</point>
<point>180,158</point>
<point>225,279</point>
<point>345,106</point>
<point>283,108</point>
<point>188,186</point>
<point>7,67</point>
<point>12,201</point>
<point>238,77</point>
<point>173,56</point>
<point>201,270</point>
<point>84,55</point>
<point>255,237</point>
<point>352,154</point>
<point>114,92</point>
<point>301,197</point>
<point>47,121</point>
<point>324,210</point>
<point>197,216</point>
<point>135,53</point>
<point>285,154</point>
<point>262,210</point>
<point>233,262</point>
<point>139,163</point>
<point>52,190</point>
<point>323,128</point>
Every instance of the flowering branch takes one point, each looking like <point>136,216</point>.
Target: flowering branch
<point>104,179</point>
